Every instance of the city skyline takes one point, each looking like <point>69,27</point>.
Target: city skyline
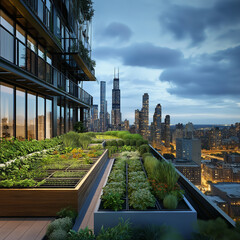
<point>186,63</point>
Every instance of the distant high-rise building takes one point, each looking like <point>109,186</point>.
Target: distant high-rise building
<point>126,125</point>
<point>167,131</point>
<point>178,132</point>
<point>116,107</point>
<point>94,122</point>
<point>188,149</point>
<point>144,116</point>
<point>137,121</point>
<point>189,130</point>
<point>215,138</point>
<point>103,106</point>
<point>157,119</point>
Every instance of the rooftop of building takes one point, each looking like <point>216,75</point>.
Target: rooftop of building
<point>232,190</point>
<point>185,163</point>
<point>216,199</point>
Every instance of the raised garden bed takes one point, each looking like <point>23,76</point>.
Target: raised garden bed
<point>182,218</point>
<point>53,195</point>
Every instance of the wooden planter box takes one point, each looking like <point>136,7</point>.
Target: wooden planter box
<point>48,201</point>
<point>181,220</point>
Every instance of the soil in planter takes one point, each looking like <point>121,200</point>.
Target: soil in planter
<point>60,183</point>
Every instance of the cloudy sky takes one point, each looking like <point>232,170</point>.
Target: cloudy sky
<point>184,53</point>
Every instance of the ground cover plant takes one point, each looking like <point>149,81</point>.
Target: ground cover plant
<point>54,167</point>
<point>10,149</point>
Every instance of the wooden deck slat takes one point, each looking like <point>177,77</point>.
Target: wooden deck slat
<point>37,231</point>
<point>7,228</point>
<point>19,230</point>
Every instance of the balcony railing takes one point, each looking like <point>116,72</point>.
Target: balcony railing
<point>28,60</point>
<point>205,209</point>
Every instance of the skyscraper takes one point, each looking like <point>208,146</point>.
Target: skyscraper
<point>94,122</point>
<point>167,131</point>
<point>157,119</point>
<point>144,116</point>
<point>137,121</point>
<point>103,106</point>
<point>116,113</point>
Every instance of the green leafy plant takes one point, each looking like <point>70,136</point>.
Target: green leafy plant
<point>58,234</point>
<point>82,234</point>
<point>170,201</point>
<point>68,212</point>
<point>64,224</point>
<point>142,199</point>
<point>79,127</point>
<point>120,232</point>
<point>144,149</point>
<point>112,200</point>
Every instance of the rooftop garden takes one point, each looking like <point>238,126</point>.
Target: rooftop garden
<point>59,162</point>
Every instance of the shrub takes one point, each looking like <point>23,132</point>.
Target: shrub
<point>112,201</point>
<point>71,139</point>
<point>121,134</point>
<point>151,164</point>
<point>58,234</point>
<point>144,149</point>
<point>82,234</point>
<point>141,199</point>
<point>120,143</point>
<point>127,142</point>
<point>132,142</point>
<point>61,223</point>
<point>68,212</point>
<point>120,232</point>
<point>139,142</point>
<point>84,140</point>
<point>215,229</point>
<point>146,155</point>
<point>170,202</point>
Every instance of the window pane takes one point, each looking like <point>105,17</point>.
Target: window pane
<point>62,120</point>
<point>58,121</point>
<point>20,113</point>
<point>20,33</point>
<point>6,110</point>
<point>6,22</point>
<point>31,43</point>
<point>48,118</point>
<point>71,119</point>
<point>41,122</point>
<point>21,55</point>
<point>40,9</point>
<point>48,73</point>
<point>6,45</point>
<point>67,118</point>
<point>31,116</point>
<point>41,68</point>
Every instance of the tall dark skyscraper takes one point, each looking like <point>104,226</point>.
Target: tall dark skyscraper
<point>144,116</point>
<point>103,105</point>
<point>167,131</point>
<point>94,121</point>
<point>157,119</point>
<point>116,107</point>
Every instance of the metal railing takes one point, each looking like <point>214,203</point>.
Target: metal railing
<point>29,61</point>
<point>205,209</point>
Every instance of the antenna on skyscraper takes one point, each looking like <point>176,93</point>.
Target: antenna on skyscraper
<point>114,73</point>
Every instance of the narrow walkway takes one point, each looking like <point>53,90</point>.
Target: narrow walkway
<point>23,228</point>
<point>86,215</point>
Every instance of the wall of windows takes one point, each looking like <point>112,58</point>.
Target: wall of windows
<point>20,113</point>
<point>6,110</point>
<point>33,114</point>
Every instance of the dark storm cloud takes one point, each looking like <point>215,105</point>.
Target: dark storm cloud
<point>142,55</point>
<point>188,21</point>
<point>216,74</point>
<point>119,31</point>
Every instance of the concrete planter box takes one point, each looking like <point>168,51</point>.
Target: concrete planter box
<point>181,220</point>
<point>34,202</point>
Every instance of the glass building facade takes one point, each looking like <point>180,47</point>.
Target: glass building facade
<point>40,93</point>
